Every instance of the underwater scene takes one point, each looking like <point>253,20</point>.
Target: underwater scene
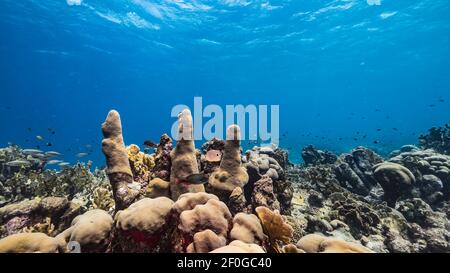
<point>225,126</point>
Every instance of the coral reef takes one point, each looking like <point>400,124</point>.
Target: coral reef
<point>314,243</point>
<point>261,161</point>
<point>313,156</point>
<point>354,170</point>
<point>141,164</point>
<point>162,160</point>
<point>357,202</point>
<point>50,215</point>
<point>437,138</point>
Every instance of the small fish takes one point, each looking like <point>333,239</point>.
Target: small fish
<point>395,129</point>
<point>376,142</point>
<point>29,129</point>
<point>40,156</point>
<point>49,144</point>
<point>62,164</point>
<point>18,163</point>
<point>40,138</point>
<point>195,179</point>
<point>52,154</point>
<point>80,155</point>
<point>54,162</point>
<point>213,156</point>
<point>53,132</point>
<point>441,100</point>
<point>377,110</point>
<point>378,130</point>
<point>340,138</point>
<point>89,146</point>
<point>355,139</point>
<point>31,151</point>
<point>431,105</point>
<point>150,144</point>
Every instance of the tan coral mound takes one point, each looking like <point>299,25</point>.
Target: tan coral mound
<point>274,227</point>
<point>188,201</point>
<point>147,215</point>
<point>247,228</point>
<point>230,174</point>
<point>213,215</point>
<point>314,243</point>
<point>29,243</point>
<point>206,241</point>
<point>239,247</point>
<point>91,230</point>
<point>184,159</point>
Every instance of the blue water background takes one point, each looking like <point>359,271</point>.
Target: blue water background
<point>336,68</point>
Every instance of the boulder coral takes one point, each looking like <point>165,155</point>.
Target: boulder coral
<point>118,166</point>
<point>395,179</point>
<point>231,174</point>
<point>239,247</point>
<point>183,158</point>
<point>206,241</point>
<point>141,226</point>
<point>90,230</point>
<point>247,228</point>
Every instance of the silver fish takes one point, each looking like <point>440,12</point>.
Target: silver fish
<point>18,163</point>
<point>52,154</point>
<point>31,151</point>
<point>40,138</point>
<point>53,162</point>
<point>62,164</point>
<point>80,155</point>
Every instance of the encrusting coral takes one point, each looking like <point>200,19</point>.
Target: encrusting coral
<point>231,174</point>
<point>30,243</point>
<point>314,243</point>
<point>118,165</point>
<point>163,163</point>
<point>141,164</point>
<point>183,158</point>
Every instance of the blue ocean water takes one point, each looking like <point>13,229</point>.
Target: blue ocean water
<point>338,69</point>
